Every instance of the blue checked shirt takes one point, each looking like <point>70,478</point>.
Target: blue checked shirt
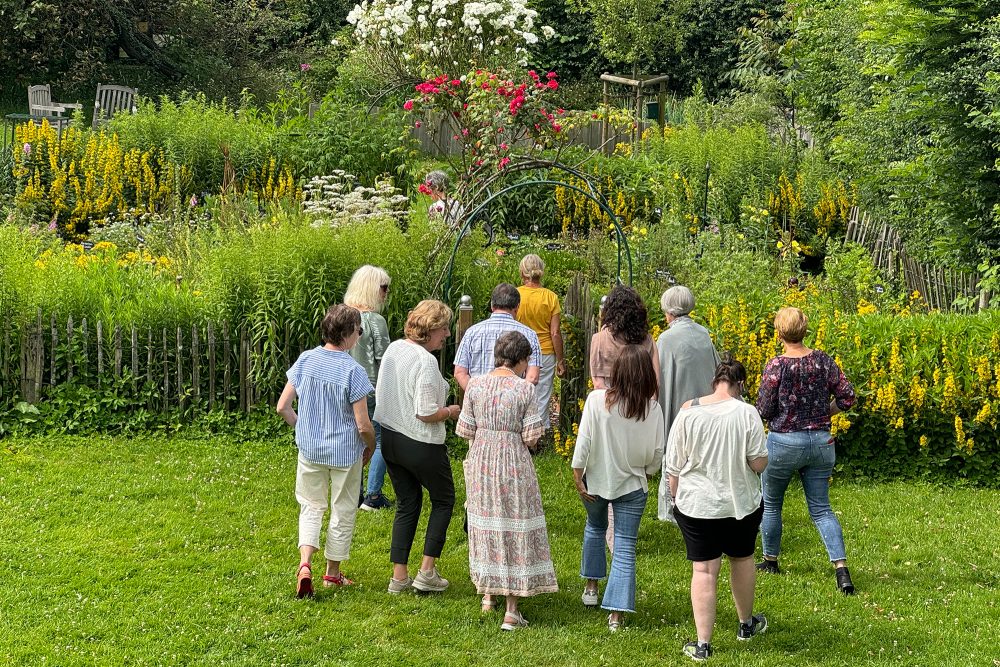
<point>475,352</point>
<point>328,383</point>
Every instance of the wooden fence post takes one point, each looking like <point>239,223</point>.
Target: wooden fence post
<point>70,351</point>
<point>226,354</point>
<point>195,363</point>
<point>210,333</point>
<point>55,346</point>
<point>462,325</point>
<point>100,351</point>
<point>118,351</point>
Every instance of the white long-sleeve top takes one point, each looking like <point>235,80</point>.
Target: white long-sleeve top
<point>616,453</point>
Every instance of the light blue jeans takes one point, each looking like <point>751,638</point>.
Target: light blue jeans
<point>619,594</point>
<point>376,467</point>
<point>811,455</point>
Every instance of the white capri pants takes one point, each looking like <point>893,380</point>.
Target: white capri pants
<point>543,390</point>
<point>314,484</point>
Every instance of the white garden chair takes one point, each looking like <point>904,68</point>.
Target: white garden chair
<point>112,99</point>
<point>40,102</point>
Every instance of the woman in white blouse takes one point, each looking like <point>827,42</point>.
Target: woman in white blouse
<point>715,454</point>
<point>411,405</point>
<point>619,445</point>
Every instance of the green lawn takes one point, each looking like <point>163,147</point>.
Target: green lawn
<point>172,551</point>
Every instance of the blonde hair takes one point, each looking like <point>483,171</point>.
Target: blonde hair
<point>791,324</point>
<point>364,292</point>
<point>532,267</point>
<point>425,317</point>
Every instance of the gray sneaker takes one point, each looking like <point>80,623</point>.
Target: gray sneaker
<point>430,582</point>
<point>396,587</point>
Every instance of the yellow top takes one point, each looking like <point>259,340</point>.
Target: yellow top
<point>538,305</point>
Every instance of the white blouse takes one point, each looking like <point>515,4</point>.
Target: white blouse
<point>616,453</point>
<point>410,384</point>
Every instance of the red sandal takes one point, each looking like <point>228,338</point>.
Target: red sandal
<point>339,580</point>
<point>304,584</point>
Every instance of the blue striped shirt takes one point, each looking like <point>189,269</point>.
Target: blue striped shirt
<point>475,352</point>
<point>328,383</point>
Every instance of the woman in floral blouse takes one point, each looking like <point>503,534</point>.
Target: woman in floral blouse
<point>795,400</point>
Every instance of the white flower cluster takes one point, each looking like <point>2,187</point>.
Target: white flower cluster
<point>426,31</point>
<point>338,199</point>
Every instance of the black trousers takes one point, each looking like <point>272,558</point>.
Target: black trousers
<point>414,466</point>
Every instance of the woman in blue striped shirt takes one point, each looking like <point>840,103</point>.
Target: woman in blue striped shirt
<point>335,438</point>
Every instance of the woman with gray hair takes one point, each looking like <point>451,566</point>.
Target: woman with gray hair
<point>436,185</point>
<point>687,365</point>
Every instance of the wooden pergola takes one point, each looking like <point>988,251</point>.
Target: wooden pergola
<point>644,87</point>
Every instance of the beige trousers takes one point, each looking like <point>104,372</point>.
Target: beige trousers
<point>314,485</point>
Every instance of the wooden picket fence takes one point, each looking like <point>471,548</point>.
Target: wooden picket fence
<point>437,138</point>
<point>938,286</point>
<point>213,365</point>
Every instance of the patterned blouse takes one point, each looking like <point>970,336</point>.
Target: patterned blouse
<point>795,392</point>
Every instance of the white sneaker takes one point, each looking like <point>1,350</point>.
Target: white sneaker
<point>396,587</point>
<point>591,598</point>
<point>430,582</point>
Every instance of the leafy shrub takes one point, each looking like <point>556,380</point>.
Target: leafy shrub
<point>198,133</point>
<point>345,135</point>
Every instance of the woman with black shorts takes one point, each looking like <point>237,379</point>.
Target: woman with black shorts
<point>715,454</point>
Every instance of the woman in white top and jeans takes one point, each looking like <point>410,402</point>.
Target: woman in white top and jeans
<point>715,454</point>
<point>619,445</point>
<point>411,405</point>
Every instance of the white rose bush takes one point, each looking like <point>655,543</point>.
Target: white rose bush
<point>406,40</point>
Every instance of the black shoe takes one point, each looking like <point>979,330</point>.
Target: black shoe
<point>769,566</point>
<point>844,583</point>
<point>697,651</point>
<point>757,625</point>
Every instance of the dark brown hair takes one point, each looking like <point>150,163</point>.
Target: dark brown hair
<point>633,382</point>
<point>729,370</point>
<point>339,322</point>
<point>625,315</point>
<point>511,349</point>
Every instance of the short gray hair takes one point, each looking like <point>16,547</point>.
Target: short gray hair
<point>677,301</point>
<point>505,297</point>
<point>437,180</point>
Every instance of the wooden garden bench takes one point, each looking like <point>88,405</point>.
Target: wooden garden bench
<point>112,99</point>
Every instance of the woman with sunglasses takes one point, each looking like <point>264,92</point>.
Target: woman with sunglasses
<point>368,291</point>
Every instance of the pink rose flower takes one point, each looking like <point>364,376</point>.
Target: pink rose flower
<point>408,105</point>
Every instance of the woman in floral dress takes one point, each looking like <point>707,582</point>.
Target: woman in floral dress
<point>508,543</point>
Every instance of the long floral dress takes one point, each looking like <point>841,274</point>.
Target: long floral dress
<point>508,543</point>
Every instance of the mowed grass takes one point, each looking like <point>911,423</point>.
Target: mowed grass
<point>152,550</point>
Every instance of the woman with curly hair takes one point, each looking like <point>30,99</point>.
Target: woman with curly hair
<point>624,322</point>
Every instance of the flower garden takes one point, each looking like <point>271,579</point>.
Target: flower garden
<point>126,251</point>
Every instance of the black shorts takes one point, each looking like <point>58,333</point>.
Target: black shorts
<point>708,539</point>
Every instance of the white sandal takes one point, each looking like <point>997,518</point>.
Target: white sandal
<point>518,622</point>
<point>614,626</point>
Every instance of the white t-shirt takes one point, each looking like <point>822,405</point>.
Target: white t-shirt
<point>617,453</point>
<point>410,384</point>
<point>708,449</point>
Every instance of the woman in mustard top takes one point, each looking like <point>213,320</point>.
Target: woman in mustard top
<point>540,310</point>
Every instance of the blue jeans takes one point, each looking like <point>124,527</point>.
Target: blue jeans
<point>811,455</point>
<point>619,594</point>
<point>376,467</point>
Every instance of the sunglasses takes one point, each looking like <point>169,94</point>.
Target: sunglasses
<point>385,288</point>
<point>361,331</point>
